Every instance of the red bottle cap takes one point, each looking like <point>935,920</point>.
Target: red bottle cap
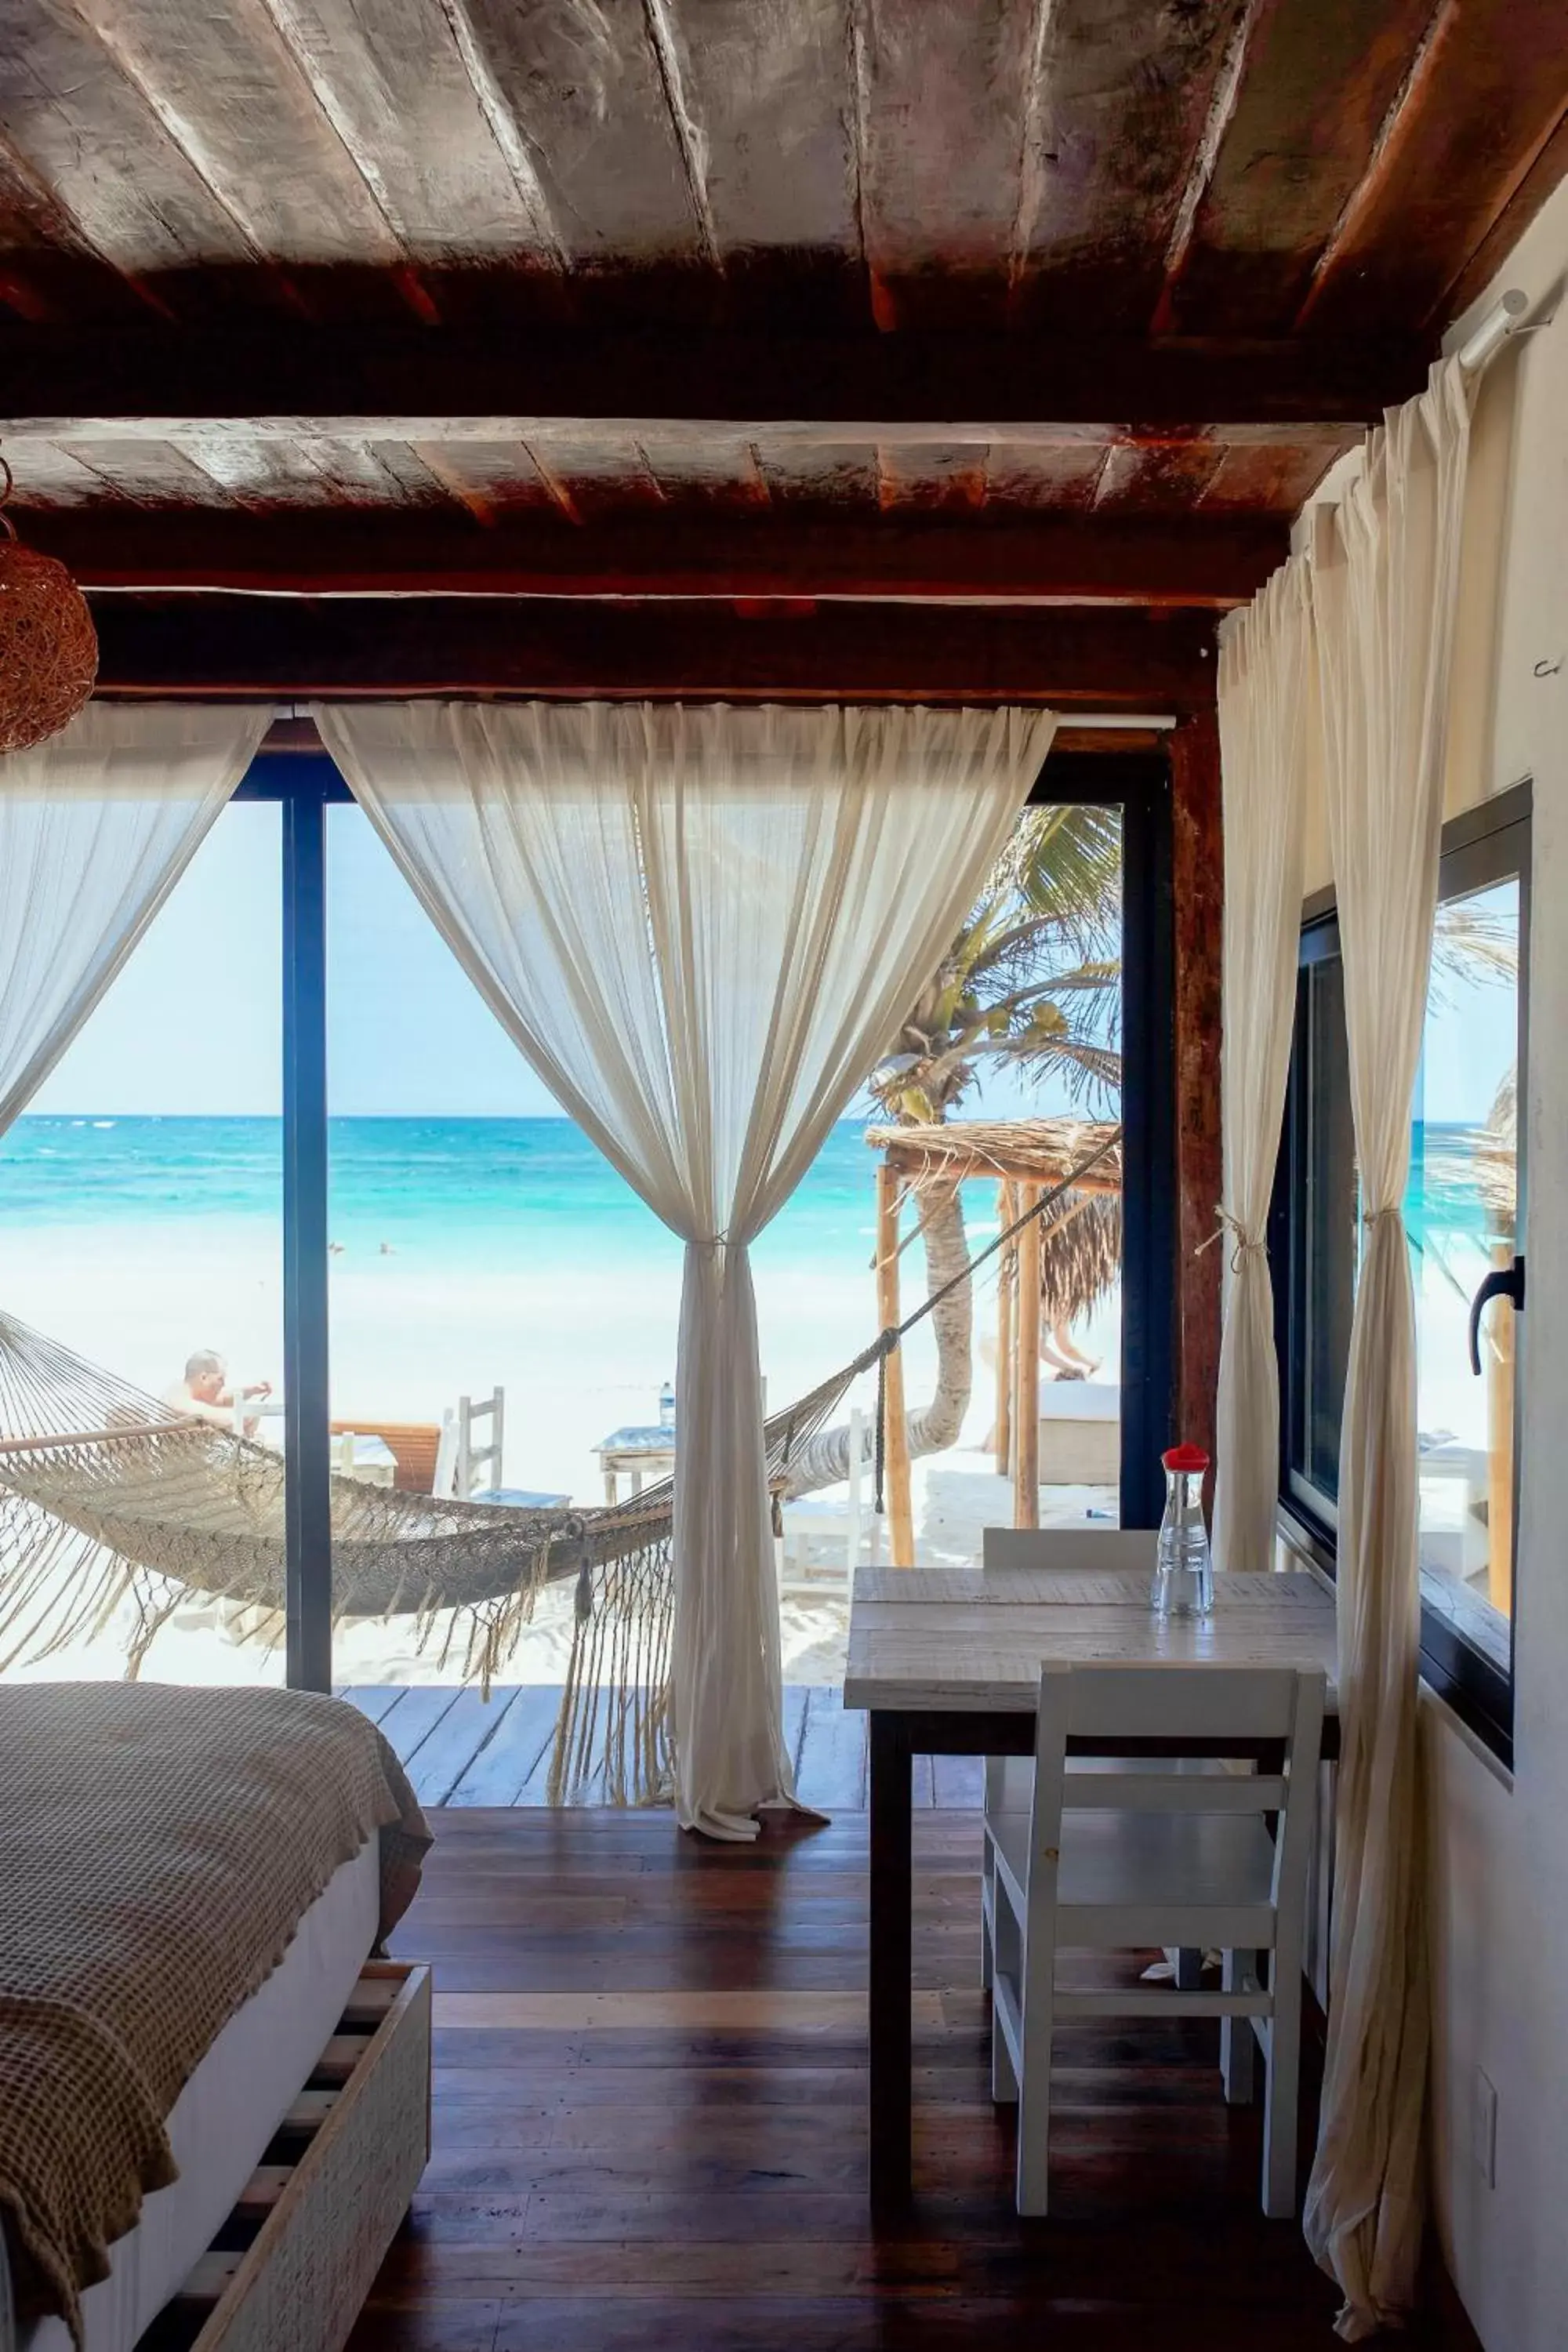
<point>1185,1457</point>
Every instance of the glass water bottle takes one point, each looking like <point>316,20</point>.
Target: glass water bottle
<point>1183,1573</point>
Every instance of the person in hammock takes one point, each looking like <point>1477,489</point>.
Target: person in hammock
<point>205,1392</point>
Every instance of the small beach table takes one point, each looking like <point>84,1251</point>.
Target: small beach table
<point>644,1453</point>
<point>946,1661</point>
<point>369,1459</point>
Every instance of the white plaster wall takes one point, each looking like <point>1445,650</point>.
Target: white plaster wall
<point>1498,1848</point>
<point>1497,1842</point>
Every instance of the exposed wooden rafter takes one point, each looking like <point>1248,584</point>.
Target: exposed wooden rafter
<point>448,383</point>
<point>892,558</point>
<point>248,646</point>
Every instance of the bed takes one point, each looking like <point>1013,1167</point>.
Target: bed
<point>193,1881</point>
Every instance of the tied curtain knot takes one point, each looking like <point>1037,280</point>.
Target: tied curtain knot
<point>1244,1244</point>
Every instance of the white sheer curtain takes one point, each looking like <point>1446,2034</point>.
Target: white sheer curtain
<point>1384,596</point>
<point>1264,676</point>
<point>96,827</point>
<point>701,925</point>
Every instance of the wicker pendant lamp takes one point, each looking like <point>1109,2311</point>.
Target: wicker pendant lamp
<point>49,646</point>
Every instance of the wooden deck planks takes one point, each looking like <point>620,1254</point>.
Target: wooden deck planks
<point>514,1755</point>
<point>461,1750</point>
<point>831,1771</point>
<point>459,1742</point>
<point>375,1700</point>
<point>649,2128</point>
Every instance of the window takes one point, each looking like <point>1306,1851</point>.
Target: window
<point>1464,1215</point>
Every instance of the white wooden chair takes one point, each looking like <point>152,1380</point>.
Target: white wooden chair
<point>846,1522</point>
<point>1122,1861</point>
<point>472,1460</point>
<point>1071,1551</point>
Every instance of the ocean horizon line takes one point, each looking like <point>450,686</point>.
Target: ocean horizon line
<point>98,1116</point>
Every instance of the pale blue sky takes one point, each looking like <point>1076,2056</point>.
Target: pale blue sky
<point>1471,1038</point>
<point>191,1026</point>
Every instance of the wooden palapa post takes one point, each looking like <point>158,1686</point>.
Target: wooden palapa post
<point>1027,1391</point>
<point>1007,1266</point>
<point>895,1426</point>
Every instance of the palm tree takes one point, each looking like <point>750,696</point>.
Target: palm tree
<point>1032,982</point>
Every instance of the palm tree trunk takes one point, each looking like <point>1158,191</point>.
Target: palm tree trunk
<point>825,1461</point>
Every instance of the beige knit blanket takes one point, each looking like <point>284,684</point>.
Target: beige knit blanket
<point>158,1847</point>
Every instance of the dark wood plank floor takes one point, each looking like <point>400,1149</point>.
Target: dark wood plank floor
<point>649,2111</point>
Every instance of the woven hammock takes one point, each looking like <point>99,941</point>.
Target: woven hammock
<point>106,1494</point>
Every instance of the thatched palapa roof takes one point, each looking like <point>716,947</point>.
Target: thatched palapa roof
<point>1032,1150</point>
<point>1081,1240</point>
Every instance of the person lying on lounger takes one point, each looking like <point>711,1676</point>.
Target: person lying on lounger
<point>205,1392</point>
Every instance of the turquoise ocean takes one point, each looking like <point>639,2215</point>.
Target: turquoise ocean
<point>537,1184</point>
<point>476,1186</point>
<point>467,1253</point>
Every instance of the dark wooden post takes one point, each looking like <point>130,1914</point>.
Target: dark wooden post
<point>1198,891</point>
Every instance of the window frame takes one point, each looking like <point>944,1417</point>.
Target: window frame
<point>1490,844</point>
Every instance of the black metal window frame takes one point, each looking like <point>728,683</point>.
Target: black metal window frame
<point>308,784</point>
<point>1139,783</point>
<point>1490,844</point>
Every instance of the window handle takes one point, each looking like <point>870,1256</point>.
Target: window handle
<point>1503,1282</point>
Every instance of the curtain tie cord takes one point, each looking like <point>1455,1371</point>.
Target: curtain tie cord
<point>1371,1217</point>
<point>1245,1244</point>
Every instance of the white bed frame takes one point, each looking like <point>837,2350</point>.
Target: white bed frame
<point>352,2146</point>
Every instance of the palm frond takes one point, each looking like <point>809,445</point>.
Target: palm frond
<point>1080,1256</point>
<point>1063,865</point>
<point>1472,946</point>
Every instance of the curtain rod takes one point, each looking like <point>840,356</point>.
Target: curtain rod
<point>1162,723</point>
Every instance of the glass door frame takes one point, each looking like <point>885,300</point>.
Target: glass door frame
<point>1139,783</point>
<point>307,783</point>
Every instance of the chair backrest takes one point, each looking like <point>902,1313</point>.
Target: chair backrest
<point>473,1459</point>
<point>445,1482</point>
<point>1106,1551</point>
<point>1173,1707</point>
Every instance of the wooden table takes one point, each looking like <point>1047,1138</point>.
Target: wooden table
<point>947,1663</point>
<point>367,1458</point>
<point>647,1452</point>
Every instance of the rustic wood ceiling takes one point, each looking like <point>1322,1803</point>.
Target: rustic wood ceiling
<point>1003,301</point>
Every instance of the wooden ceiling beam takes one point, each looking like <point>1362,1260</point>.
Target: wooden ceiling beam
<point>239,647</point>
<point>446,384</point>
<point>1049,558</point>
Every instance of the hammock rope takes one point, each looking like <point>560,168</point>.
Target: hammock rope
<point>107,1496</point>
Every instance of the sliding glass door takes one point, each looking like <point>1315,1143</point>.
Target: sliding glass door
<point>473,1256</point>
